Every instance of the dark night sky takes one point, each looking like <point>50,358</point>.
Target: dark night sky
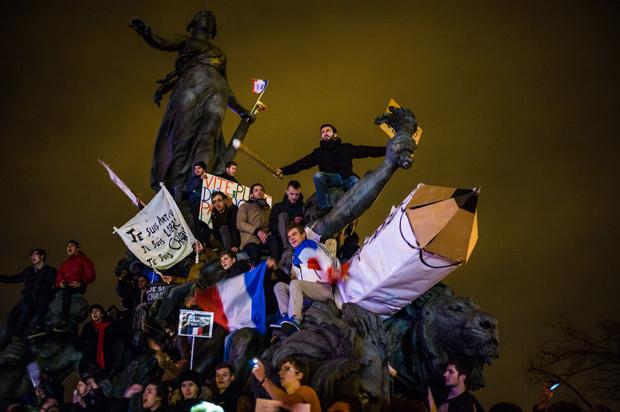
<point>515,97</point>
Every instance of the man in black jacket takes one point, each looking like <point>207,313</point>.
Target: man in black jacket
<point>289,210</point>
<point>228,391</point>
<point>193,189</point>
<point>230,171</point>
<point>458,399</point>
<point>335,161</point>
<point>38,282</point>
<point>224,220</point>
<point>102,343</point>
<point>232,267</point>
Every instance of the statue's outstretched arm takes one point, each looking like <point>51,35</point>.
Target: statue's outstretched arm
<point>358,199</point>
<point>165,43</point>
<point>235,106</point>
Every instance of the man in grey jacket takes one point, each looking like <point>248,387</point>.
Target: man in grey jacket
<point>253,225</point>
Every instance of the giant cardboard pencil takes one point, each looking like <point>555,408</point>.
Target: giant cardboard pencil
<point>427,236</point>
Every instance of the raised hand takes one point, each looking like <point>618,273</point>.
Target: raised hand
<point>140,27</point>
<point>401,147</point>
<point>400,119</point>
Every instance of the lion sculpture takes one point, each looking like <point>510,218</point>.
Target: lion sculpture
<point>348,351</point>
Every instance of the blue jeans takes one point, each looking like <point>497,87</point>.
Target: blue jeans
<point>323,181</point>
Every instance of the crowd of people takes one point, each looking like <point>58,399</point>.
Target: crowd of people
<point>239,239</point>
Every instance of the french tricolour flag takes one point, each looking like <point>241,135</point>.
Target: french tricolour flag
<point>259,85</point>
<point>314,263</point>
<point>238,302</point>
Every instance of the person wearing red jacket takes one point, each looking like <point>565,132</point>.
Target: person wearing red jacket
<point>72,277</point>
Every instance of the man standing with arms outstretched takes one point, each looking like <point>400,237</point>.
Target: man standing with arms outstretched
<point>38,282</point>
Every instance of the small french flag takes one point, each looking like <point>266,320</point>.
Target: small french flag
<point>259,85</point>
<point>313,262</point>
<point>238,302</point>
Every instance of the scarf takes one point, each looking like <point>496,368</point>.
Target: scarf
<point>100,328</point>
<point>258,202</point>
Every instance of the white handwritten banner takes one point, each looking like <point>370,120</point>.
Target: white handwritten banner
<point>236,192</point>
<point>158,234</point>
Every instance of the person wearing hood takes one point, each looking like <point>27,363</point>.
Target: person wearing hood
<point>289,211</point>
<point>335,162</point>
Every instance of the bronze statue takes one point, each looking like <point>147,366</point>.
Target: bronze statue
<point>348,351</point>
<point>431,330</point>
<point>359,198</point>
<point>191,129</point>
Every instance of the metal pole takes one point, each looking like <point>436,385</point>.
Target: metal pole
<point>191,357</point>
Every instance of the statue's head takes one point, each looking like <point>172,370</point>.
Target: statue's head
<point>450,326</point>
<point>203,21</point>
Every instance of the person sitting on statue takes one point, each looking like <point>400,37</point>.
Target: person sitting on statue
<point>253,225</point>
<point>289,211</point>
<point>73,275</point>
<point>232,266</point>
<point>292,373</point>
<point>174,297</point>
<point>313,272</point>
<point>230,171</point>
<point>38,281</point>
<point>142,285</point>
<point>205,255</point>
<point>224,220</point>
<point>193,189</point>
<point>335,162</point>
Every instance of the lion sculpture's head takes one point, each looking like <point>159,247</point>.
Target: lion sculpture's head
<point>439,326</point>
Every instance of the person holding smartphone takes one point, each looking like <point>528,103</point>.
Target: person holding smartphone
<point>292,373</point>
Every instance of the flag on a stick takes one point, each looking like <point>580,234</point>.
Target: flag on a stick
<point>121,185</point>
<point>237,302</point>
<point>259,85</point>
<point>158,235</point>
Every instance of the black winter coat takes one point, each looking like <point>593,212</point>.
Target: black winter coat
<point>333,156</point>
<point>37,284</point>
<point>293,210</point>
<point>228,218</point>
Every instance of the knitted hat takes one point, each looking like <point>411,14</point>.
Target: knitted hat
<point>189,375</point>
